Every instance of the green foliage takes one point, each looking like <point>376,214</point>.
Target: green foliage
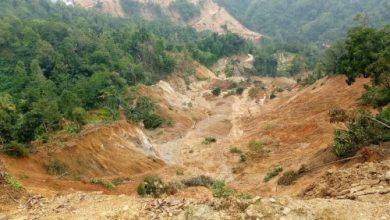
<point>13,183</point>
<point>73,128</point>
<point>220,190</point>
<point>106,184</point>
<point>152,121</point>
<point>186,9</point>
<point>209,140</point>
<point>361,130</point>
<point>56,167</point>
<point>216,91</point>
<point>240,90</point>
<point>235,150</point>
<point>151,186</point>
<point>15,149</point>
<point>275,170</point>
<point>243,158</point>
<point>305,21</point>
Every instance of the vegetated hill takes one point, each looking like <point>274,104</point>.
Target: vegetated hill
<point>305,20</point>
<point>199,14</point>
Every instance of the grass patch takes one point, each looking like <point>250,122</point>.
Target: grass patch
<point>106,184</point>
<point>56,167</point>
<point>220,190</point>
<point>209,140</point>
<point>235,150</point>
<point>257,148</point>
<point>13,183</point>
<point>275,170</point>
<point>15,149</point>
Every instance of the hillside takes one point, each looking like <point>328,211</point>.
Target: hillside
<point>211,17</point>
<point>302,21</point>
<point>119,110</point>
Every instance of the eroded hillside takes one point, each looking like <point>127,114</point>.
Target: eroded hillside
<point>212,16</point>
<point>289,121</point>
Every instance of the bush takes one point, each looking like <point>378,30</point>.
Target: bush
<point>106,184</point>
<point>13,183</point>
<point>253,92</point>
<point>15,149</point>
<point>152,121</point>
<point>338,115</point>
<point>257,147</point>
<point>79,115</point>
<point>73,128</point>
<point>56,167</point>
<point>220,190</point>
<point>361,130</point>
<point>151,186</point>
<point>209,140</point>
<point>235,150</point>
<point>216,91</point>
<point>243,158</point>
<point>199,181</point>
<point>275,170</point>
<point>240,90</point>
<point>288,178</point>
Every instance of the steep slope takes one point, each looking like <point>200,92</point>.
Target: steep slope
<point>212,17</point>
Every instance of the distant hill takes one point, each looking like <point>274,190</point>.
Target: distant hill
<point>306,20</point>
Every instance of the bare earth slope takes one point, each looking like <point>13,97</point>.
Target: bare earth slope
<point>293,128</point>
<point>212,17</point>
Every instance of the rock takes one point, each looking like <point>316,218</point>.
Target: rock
<point>286,210</point>
<point>256,199</point>
<point>387,176</point>
<point>3,217</point>
<point>125,208</point>
<point>252,212</point>
<point>272,200</point>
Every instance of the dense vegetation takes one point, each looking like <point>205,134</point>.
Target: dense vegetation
<point>365,52</point>
<point>306,21</point>
<point>299,30</point>
<point>186,9</point>
<point>62,67</point>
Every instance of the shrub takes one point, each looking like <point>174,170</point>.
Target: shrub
<point>220,190</point>
<point>199,181</point>
<point>209,140</point>
<point>106,184</point>
<point>73,128</point>
<point>119,180</point>
<point>15,149</point>
<point>273,95</point>
<point>79,115</point>
<point>253,92</point>
<point>56,167</point>
<point>243,158</point>
<point>179,172</point>
<point>240,90</point>
<point>361,130</point>
<point>151,186</point>
<point>288,178</point>
<point>235,150</point>
<point>256,146</point>
<point>13,183</point>
<point>275,170</point>
<point>216,91</point>
<point>338,115</point>
<point>152,121</point>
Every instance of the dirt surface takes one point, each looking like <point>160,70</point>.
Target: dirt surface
<point>290,121</point>
<point>76,205</point>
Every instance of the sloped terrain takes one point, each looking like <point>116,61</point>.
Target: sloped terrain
<point>212,18</point>
<point>290,121</point>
